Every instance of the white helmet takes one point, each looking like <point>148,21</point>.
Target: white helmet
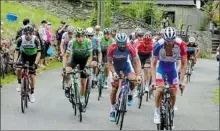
<point>97,27</point>
<point>192,39</point>
<point>70,29</point>
<point>169,33</point>
<point>89,31</point>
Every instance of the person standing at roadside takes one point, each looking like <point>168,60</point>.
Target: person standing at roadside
<point>43,37</point>
<point>218,57</point>
<point>49,39</point>
<point>19,32</point>
<point>59,34</point>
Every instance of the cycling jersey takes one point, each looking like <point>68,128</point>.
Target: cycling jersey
<point>96,44</point>
<point>104,46</point>
<point>167,59</point>
<point>144,46</point>
<point>29,47</point>
<point>100,34</point>
<point>120,59</point>
<point>80,51</point>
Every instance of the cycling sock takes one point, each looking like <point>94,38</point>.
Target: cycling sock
<point>113,107</point>
<point>32,90</point>
<point>157,110</point>
<point>82,99</point>
<point>147,83</point>
<point>19,80</point>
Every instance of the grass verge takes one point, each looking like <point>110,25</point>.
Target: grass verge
<point>215,98</point>
<point>9,78</point>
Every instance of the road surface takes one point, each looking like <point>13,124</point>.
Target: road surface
<point>52,111</point>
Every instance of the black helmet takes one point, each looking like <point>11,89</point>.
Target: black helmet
<point>28,29</point>
<point>26,21</point>
<point>107,31</point>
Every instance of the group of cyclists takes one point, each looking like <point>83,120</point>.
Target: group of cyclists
<point>165,53</point>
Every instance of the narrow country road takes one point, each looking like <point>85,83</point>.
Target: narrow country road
<point>53,111</point>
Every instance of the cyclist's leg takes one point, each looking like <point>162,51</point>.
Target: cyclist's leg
<point>147,71</point>
<point>32,72</point>
<point>70,66</point>
<point>173,81</point>
<point>106,70</point>
<point>158,93</point>
<point>113,94</point>
<point>18,72</point>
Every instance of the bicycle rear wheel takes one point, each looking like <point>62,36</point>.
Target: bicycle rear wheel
<point>63,83</point>
<point>23,96</point>
<point>79,106</point>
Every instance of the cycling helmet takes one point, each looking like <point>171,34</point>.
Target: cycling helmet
<point>107,31</point>
<point>89,31</point>
<point>148,34</point>
<point>79,32</point>
<point>114,30</point>
<point>121,39</point>
<point>140,33</point>
<point>28,29</point>
<point>137,29</point>
<point>169,33</point>
<point>192,39</point>
<point>70,29</point>
<point>97,27</point>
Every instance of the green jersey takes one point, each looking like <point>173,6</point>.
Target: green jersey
<point>80,51</point>
<point>105,43</point>
<point>29,47</point>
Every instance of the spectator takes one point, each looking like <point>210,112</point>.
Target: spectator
<point>218,57</point>
<point>59,34</point>
<point>49,38</point>
<point>43,37</point>
<point>19,32</point>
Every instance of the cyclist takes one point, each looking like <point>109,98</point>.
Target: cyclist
<point>98,32</point>
<point>96,52</point>
<point>80,50</point>
<point>118,60</point>
<point>133,35</point>
<point>113,34</point>
<point>140,35</point>
<point>105,41</point>
<point>192,51</point>
<point>66,38</point>
<point>167,50</point>
<point>144,48</point>
<point>30,50</point>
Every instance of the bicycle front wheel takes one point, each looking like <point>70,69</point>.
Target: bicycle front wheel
<point>168,124</point>
<point>123,109</point>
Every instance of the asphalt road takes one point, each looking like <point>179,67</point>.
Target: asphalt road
<point>52,111</point>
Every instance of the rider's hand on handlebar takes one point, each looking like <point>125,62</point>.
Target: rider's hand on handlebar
<point>138,78</point>
<point>152,85</point>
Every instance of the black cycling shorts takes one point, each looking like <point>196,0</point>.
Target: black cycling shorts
<point>95,53</point>
<point>23,58</point>
<point>104,56</point>
<point>73,62</point>
<point>145,58</point>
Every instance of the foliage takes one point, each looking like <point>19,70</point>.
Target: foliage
<point>35,15</point>
<point>212,12</point>
<point>216,97</point>
<point>142,10</point>
<point>108,13</point>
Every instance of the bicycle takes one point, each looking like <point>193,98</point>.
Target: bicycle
<point>25,83</point>
<point>101,81</point>
<point>189,70</point>
<point>75,93</point>
<point>2,66</point>
<point>121,107</point>
<point>166,116</point>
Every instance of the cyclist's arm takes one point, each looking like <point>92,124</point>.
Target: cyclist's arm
<point>89,60</point>
<point>156,49</point>
<point>100,52</point>
<point>135,59</point>
<point>17,49</point>
<point>61,46</point>
<point>183,61</point>
<point>38,45</point>
<point>110,50</point>
<point>68,54</point>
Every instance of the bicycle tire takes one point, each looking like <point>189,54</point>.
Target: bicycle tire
<point>140,96</point>
<point>76,98</point>
<point>122,112</point>
<point>80,111</point>
<point>63,83</point>
<point>100,87</point>
<point>26,92</point>
<point>87,92</point>
<point>168,125</point>
<point>22,101</point>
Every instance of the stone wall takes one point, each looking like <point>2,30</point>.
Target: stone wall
<point>62,9</point>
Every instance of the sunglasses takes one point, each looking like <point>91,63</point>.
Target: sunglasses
<point>121,44</point>
<point>90,35</point>
<point>28,33</point>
